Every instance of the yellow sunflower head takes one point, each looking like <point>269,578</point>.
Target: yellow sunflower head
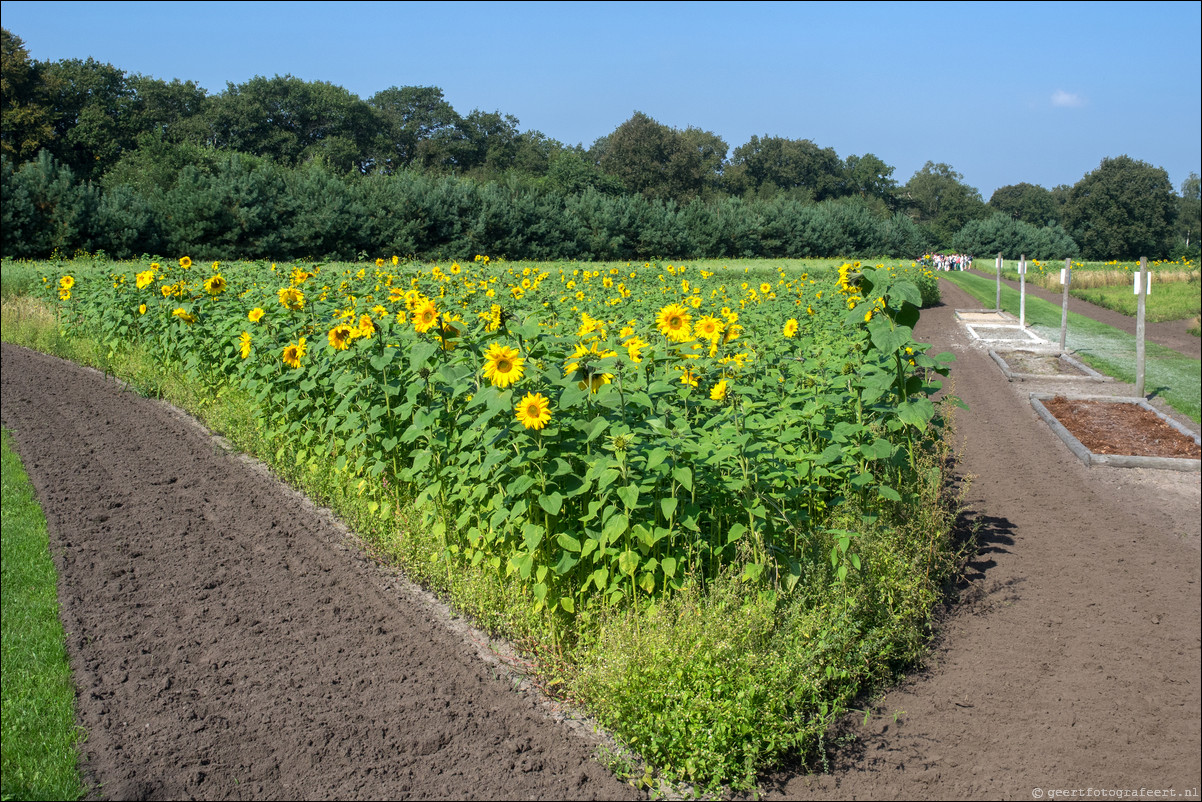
<point>791,328</point>
<point>292,298</point>
<point>673,322</point>
<point>255,315</point>
<point>341,337</point>
<point>185,262</point>
<point>293,353</point>
<point>503,365</point>
<point>425,315</point>
<point>534,411</point>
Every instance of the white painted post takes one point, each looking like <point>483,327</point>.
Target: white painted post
<point>1141,289</point>
<point>1022,291</point>
<point>1066,277</point>
<point>998,303</point>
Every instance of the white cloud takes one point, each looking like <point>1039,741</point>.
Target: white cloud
<point>1067,100</point>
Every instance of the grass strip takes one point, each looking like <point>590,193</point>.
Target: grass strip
<point>1170,375</point>
<point>38,735</point>
<point>1167,301</point>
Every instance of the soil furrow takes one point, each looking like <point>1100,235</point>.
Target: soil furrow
<point>228,644</point>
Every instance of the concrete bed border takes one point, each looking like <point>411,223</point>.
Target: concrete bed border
<point>1114,460</point>
<point>1090,375</point>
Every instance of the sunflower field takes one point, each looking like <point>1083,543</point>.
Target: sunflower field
<point>718,492</point>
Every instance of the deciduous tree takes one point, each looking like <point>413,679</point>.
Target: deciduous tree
<point>1124,209</point>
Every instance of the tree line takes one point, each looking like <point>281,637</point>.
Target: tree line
<point>94,157</point>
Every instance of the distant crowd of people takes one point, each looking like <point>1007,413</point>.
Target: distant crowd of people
<point>947,261</point>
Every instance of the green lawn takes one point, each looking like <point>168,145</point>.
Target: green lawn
<point>1168,374</point>
<point>38,733</point>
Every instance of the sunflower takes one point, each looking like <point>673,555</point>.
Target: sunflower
<point>185,262</point>
<point>64,294</point>
<point>765,288</point>
<point>183,315</point>
<point>585,373</point>
<point>142,309</point>
<point>215,285</point>
<point>449,332</point>
<point>244,344</point>
<point>503,365</point>
<point>534,411</point>
<point>66,282</point>
<point>673,322</point>
<point>634,348</point>
<point>292,298</point>
<point>718,393</point>
<point>709,328</point>
<point>425,315</point>
<point>341,337</point>
<point>367,327</point>
<point>380,262</point>
<point>255,315</point>
<point>791,328</point>
<point>145,279</point>
<point>293,353</point>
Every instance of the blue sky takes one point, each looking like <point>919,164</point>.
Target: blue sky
<point>1003,92</point>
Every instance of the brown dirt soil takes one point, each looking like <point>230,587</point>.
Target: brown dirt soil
<point>1072,658</point>
<point>229,643</point>
<point>1034,364</point>
<point>1121,428</point>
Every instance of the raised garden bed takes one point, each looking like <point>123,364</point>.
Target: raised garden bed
<point>1119,432</point>
<point>1022,365</point>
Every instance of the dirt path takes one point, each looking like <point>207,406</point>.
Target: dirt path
<point>228,643</point>
<point>1073,661</point>
<point>1171,334</point>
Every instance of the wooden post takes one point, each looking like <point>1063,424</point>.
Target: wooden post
<point>998,303</point>
<point>1022,290</point>
<point>1141,289</point>
<point>1066,277</point>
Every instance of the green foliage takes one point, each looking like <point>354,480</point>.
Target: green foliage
<point>38,732</point>
<point>941,202</point>
<point>1003,234</point>
<point>1025,202</point>
<point>26,113</point>
<point>1124,209</point>
<point>44,209</point>
<point>659,162</point>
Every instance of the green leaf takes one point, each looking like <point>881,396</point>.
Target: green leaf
<point>668,506</point>
<point>628,562</point>
<point>629,495</point>
<point>551,502</point>
<point>532,535</point>
<point>917,413</point>
<point>684,476</point>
